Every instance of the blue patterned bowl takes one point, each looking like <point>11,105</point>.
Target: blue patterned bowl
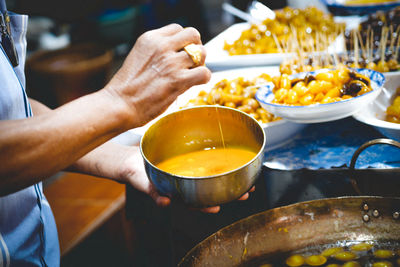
<point>321,112</point>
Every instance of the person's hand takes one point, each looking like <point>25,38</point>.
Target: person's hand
<point>216,209</point>
<point>132,172</point>
<point>156,71</point>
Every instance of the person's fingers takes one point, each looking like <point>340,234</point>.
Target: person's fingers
<point>186,60</point>
<point>244,197</point>
<point>170,29</point>
<point>247,194</point>
<point>215,209</point>
<point>182,38</point>
<point>162,201</point>
<point>195,76</point>
<point>158,40</point>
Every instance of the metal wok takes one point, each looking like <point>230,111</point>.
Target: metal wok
<point>311,224</point>
<point>297,226</point>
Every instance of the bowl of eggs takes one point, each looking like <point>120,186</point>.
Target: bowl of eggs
<point>204,155</point>
<point>322,95</point>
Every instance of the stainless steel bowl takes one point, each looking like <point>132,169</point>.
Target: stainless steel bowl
<point>193,129</point>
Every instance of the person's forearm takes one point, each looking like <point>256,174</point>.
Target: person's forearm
<point>104,161</point>
<point>38,108</point>
<point>37,147</point>
<point>101,161</point>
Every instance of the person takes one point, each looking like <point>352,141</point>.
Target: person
<point>36,142</point>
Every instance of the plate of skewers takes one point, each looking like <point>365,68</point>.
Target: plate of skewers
<point>272,41</point>
<point>374,44</point>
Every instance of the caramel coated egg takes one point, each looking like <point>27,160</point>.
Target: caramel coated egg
<point>345,256</point>
<point>352,264</point>
<point>361,247</point>
<point>382,264</point>
<point>315,260</point>
<point>384,254</point>
<point>295,260</point>
<point>330,251</point>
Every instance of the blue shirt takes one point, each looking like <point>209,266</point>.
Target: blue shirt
<point>28,234</point>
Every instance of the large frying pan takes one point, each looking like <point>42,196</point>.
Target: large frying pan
<point>297,226</point>
<point>308,224</point>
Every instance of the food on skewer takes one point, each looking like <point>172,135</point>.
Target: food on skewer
<point>374,45</point>
<point>375,23</point>
<point>298,25</point>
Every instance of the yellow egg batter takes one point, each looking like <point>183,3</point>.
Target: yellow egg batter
<point>207,162</point>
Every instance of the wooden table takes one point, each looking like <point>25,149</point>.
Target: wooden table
<point>81,204</point>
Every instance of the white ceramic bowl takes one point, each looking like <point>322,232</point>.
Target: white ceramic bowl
<point>375,112</point>
<point>277,132</point>
<point>321,112</point>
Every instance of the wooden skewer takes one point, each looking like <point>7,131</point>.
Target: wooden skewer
<point>360,40</point>
<point>346,55</point>
<point>367,47</point>
<point>314,46</point>
<point>297,46</point>
<point>330,39</point>
<point>325,44</point>
<point>321,47</point>
<point>372,45</point>
<point>397,46</point>
<point>309,43</point>
<point>383,43</point>
<point>294,35</point>
<point>336,60</point>
<point>325,54</point>
<point>397,43</point>
<point>332,58</point>
<point>391,38</point>
<point>277,43</point>
<point>355,48</point>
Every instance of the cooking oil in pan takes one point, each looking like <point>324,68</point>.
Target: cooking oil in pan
<point>340,254</point>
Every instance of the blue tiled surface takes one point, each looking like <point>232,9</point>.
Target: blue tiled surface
<point>332,144</point>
